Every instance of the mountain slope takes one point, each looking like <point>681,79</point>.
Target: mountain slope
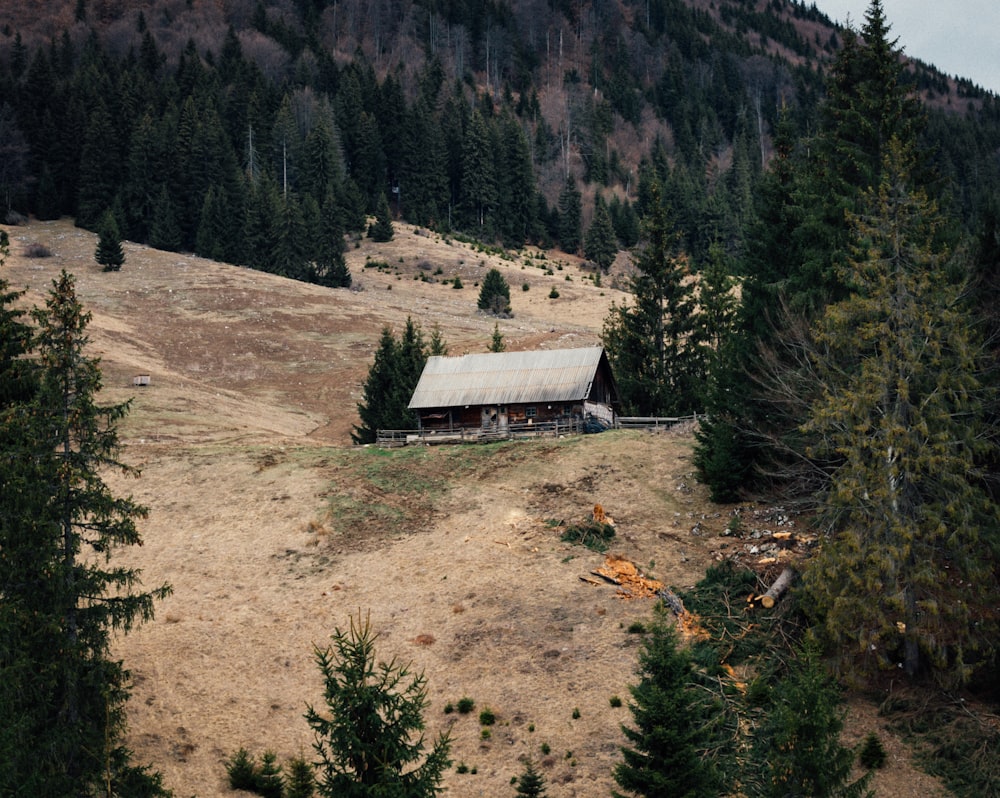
<point>272,530</point>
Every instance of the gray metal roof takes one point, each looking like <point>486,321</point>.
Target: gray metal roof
<point>502,378</point>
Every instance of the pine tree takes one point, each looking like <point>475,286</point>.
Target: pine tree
<point>62,694</point>
<point>479,192</point>
<point>494,294</point>
<point>100,165</point>
<point>797,744</point>
<point>328,266</point>
<point>381,229</point>
<point>369,737</point>
<point>664,755</point>
<point>109,252</point>
<point>437,347</point>
<point>531,783</point>
<point>867,104</point>
<point>390,383</point>
<point>516,206</point>
<point>601,245</point>
<point>165,232</point>
<point>301,783</point>
<point>656,345</point>
<point>570,214</point>
<point>496,343</point>
<point>906,575</point>
<point>17,374</point>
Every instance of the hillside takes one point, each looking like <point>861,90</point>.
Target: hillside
<point>273,530</point>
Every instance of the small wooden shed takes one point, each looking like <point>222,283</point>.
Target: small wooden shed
<point>499,390</point>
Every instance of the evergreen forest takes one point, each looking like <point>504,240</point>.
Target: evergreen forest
<point>260,133</point>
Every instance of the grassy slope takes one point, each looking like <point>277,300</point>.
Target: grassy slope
<point>272,530</point>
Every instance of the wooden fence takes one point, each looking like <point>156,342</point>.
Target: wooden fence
<point>389,438</point>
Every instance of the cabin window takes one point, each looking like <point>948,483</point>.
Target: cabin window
<point>530,412</point>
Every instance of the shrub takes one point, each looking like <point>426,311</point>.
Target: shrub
<point>487,717</point>
<point>554,293</point>
<point>872,755</point>
<point>457,283</point>
<point>449,708</point>
<point>615,701</point>
<point>466,705</point>
<point>636,628</point>
<point>576,713</point>
<point>546,749</point>
<point>525,287</point>
<point>36,250</point>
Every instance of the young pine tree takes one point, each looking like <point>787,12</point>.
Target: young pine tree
<point>670,712</point>
<point>109,252</point>
<point>497,344</point>
<point>369,737</point>
<point>796,748</point>
<point>531,783</point>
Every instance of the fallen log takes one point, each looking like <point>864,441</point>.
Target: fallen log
<point>672,600</point>
<point>778,588</point>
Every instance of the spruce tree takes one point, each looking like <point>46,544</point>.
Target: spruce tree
<point>494,294</point>
<point>796,747</point>
<point>109,252</point>
<point>516,184</point>
<point>479,192</point>
<point>165,232</point>
<point>531,783</point>
<point>496,343</point>
<point>62,694</point>
<point>601,245</point>
<point>656,345</point>
<point>17,374</point>
<point>570,215</point>
<point>665,746</point>
<point>100,168</point>
<point>369,737</point>
<point>381,229</point>
<point>906,575</point>
<point>390,383</point>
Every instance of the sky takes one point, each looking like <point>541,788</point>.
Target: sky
<point>959,37</point>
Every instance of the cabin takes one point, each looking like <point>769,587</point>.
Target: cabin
<point>570,389</point>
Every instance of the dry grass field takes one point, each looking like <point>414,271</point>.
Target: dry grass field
<point>272,529</point>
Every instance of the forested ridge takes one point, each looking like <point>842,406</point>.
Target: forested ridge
<point>260,133</point>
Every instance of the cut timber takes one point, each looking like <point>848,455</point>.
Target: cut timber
<point>623,572</point>
<point>777,589</point>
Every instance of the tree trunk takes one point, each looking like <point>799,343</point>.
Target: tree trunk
<point>777,589</point>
